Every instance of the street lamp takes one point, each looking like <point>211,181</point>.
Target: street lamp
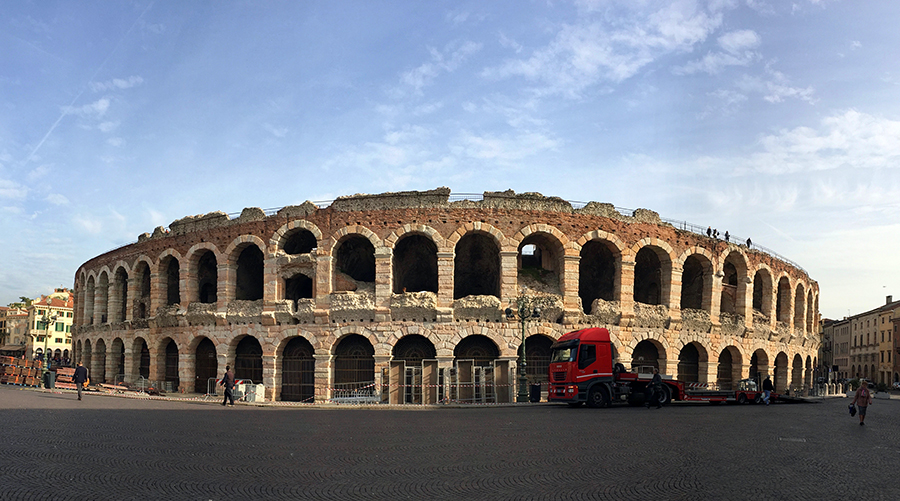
<point>47,321</point>
<point>525,313</point>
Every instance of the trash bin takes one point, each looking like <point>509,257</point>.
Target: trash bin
<point>50,380</point>
<point>534,393</point>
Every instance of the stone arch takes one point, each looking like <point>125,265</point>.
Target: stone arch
<point>283,235</point>
<point>353,230</point>
<point>781,372</point>
<point>140,358</point>
<point>246,257</point>
<point>537,356</point>
<point>353,364</point>
<point>642,354</point>
<point>797,372</point>
<point>170,276</point>
<point>141,288</point>
<point>653,260</point>
<point>763,288</point>
<point>477,265</point>
<point>89,293</point>
<point>759,365</point>
<point>693,358</point>
<point>729,367</point>
<point>415,263</point>
<point>478,227</point>
<point>697,273</point>
<point>119,299</point>
<point>599,269</point>
<point>353,257</point>
<point>248,358</point>
<point>298,369</point>
<point>98,361</point>
<point>202,274</point>
<point>416,229</point>
<point>810,312</point>
<point>734,277</point>
<point>541,249</point>
<point>479,348</point>
<point>413,349</point>
<point>800,307</point>
<point>783,300</point>
<point>206,362</point>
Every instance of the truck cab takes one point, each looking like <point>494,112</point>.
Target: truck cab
<point>581,368</point>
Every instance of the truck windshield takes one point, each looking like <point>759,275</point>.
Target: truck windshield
<point>564,352</point>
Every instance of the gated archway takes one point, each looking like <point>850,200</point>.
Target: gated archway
<point>478,348</point>
<point>248,360</point>
<point>298,371</point>
<point>354,363</point>
<point>206,366</point>
<point>172,365</point>
<point>645,354</point>
<point>689,364</point>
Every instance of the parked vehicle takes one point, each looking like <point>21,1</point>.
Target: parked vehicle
<point>582,371</point>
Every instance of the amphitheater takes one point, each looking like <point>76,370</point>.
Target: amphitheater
<point>415,297</point>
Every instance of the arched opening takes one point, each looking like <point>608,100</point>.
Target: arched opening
<point>728,371</point>
<point>647,355</point>
<point>596,274</point>
<point>476,268</point>
<point>783,301</point>
<point>799,308</point>
<point>121,286</point>
<point>540,262</point>
<point>478,348</point>
<point>103,303</point>
<point>537,360</point>
<point>762,292</point>
<point>781,373</point>
<point>415,265</point>
<point>248,360</point>
<point>207,278</point>
<point>298,376</point>
<point>689,364</point>
<point>171,274</point>
<point>118,351</point>
<point>807,373</point>
<point>797,372</point>
<point>695,277</point>
<point>299,241</point>
<point>100,361</point>
<point>86,356</point>
<point>142,301</point>
<point>172,365</point>
<point>354,364</point>
<point>355,259</point>
<point>89,292</point>
<point>413,349</point>
<point>144,362</point>
<point>759,367</point>
<point>729,288</point>
<point>649,276</point>
<point>249,277</point>
<point>206,365</point>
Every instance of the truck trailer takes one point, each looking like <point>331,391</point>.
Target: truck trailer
<point>582,370</point>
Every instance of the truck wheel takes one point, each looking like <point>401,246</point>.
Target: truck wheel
<point>664,395</point>
<point>742,399</point>
<point>598,397</point>
<point>757,399</point>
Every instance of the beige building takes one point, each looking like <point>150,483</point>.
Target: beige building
<point>870,339</point>
<point>50,325</point>
<point>886,341</point>
<point>841,348</point>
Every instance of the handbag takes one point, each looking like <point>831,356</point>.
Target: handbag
<point>852,410</point>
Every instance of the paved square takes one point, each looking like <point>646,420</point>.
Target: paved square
<point>104,447</point>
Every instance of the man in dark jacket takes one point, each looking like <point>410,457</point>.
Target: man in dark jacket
<point>653,390</point>
<point>768,388</point>
<point>81,376</point>
<point>228,383</point>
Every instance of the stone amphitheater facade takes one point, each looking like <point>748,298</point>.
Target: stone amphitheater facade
<point>310,300</point>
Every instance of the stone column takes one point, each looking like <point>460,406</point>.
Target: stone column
<point>445,281</point>
<point>323,288</point>
<point>744,301</point>
<point>569,283</point>
<point>130,372</point>
<point>323,375</point>
<point>445,364</point>
<point>115,303</point>
<point>112,364</point>
<point>157,296</point>
<point>187,373</point>
<point>383,284</point>
<point>626,295</point>
<point>708,372</point>
<point>671,367</point>
<point>675,299</point>
<point>226,278</point>
<point>382,362</point>
<point>271,375</point>
<point>509,276</point>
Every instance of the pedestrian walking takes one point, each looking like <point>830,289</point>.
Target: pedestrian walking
<point>768,388</point>
<point>749,243</point>
<point>228,383</point>
<point>81,377</point>
<point>652,393</point>
<point>862,399</point>
<point>726,235</point>
<point>709,231</point>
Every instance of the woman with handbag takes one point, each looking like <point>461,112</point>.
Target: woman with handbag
<point>862,399</point>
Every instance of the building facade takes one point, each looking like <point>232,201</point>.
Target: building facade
<point>387,291</point>
<point>843,341</point>
<point>49,320</point>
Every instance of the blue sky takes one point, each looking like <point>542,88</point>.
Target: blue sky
<point>775,120</point>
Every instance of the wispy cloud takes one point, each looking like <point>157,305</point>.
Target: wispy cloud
<point>445,61</point>
<point>95,110</point>
<point>775,87</point>
<point>612,47</point>
<point>57,199</point>
<point>737,50</point>
<point>11,190</point>
<point>116,83</point>
<point>503,149</point>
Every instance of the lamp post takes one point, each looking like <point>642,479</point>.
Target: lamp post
<point>525,313</point>
<point>47,321</point>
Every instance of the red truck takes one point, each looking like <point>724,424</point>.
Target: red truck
<point>582,371</point>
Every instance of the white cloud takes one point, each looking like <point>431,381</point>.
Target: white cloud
<point>736,42</point>
<point>447,61</point>
<point>108,126</point>
<point>278,132</point>
<point>12,191</point>
<point>724,102</point>
<point>117,142</point>
<point>116,83</point>
<point>737,47</point>
<point>775,87</point>
<point>613,47</point>
<point>503,148</point>
<point>57,199</point>
<point>96,109</point>
<point>91,226</point>
<point>37,173</point>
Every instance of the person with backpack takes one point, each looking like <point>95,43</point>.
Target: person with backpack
<point>862,399</point>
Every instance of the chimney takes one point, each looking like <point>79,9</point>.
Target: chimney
<point>889,299</point>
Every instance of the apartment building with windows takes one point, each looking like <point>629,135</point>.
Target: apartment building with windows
<point>50,325</point>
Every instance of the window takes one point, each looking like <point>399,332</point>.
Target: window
<point>587,355</point>
<point>58,340</point>
<point>60,327</point>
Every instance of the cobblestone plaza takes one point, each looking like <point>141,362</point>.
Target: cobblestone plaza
<point>119,448</point>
